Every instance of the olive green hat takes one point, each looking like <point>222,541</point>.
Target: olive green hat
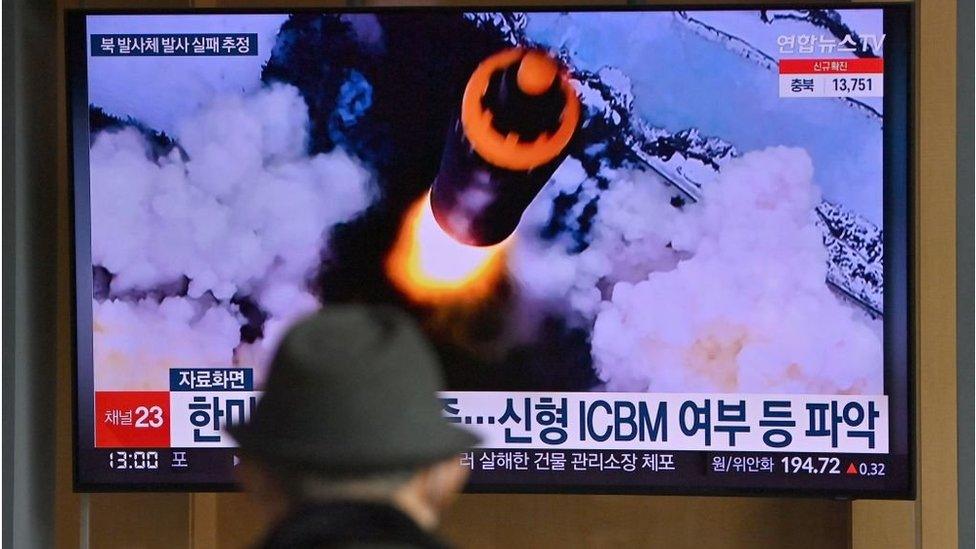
<point>352,391</point>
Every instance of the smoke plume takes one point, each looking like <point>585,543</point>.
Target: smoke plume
<point>726,295</point>
<point>239,210</point>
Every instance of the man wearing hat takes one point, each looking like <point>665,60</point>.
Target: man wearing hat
<point>348,447</point>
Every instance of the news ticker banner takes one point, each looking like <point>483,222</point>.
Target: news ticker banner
<point>852,77</point>
<point>202,402</point>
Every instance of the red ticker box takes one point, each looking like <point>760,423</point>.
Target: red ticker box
<point>132,419</point>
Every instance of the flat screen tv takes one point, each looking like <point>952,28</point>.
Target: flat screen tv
<point>659,250</point>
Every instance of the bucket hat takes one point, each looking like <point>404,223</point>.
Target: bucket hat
<point>352,391</point>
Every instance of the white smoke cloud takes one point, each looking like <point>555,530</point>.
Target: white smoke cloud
<point>629,238</point>
<point>737,303</point>
<point>247,213</point>
<point>137,342</point>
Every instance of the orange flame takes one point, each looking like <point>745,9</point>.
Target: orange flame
<point>432,268</point>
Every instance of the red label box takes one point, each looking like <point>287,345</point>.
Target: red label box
<point>854,65</point>
<point>132,419</point>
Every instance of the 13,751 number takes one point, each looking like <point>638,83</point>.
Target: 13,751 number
<point>853,84</point>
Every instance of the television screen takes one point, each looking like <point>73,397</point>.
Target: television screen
<point>659,251</point>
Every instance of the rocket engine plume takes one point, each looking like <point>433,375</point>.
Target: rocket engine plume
<point>432,268</point>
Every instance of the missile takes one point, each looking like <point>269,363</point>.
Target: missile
<point>518,115</point>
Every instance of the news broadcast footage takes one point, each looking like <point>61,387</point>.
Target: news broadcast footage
<point>649,246</point>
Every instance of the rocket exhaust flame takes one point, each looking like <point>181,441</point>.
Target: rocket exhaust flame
<point>431,267</point>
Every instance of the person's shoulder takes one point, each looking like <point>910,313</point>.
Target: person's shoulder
<point>375,545</point>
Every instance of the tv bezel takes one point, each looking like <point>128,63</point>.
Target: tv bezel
<point>76,93</point>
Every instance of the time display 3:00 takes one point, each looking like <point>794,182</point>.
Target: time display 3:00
<point>852,84</point>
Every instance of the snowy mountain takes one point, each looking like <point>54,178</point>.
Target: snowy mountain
<point>613,135</point>
<point>511,26</point>
<point>688,160</point>
<point>855,250</point>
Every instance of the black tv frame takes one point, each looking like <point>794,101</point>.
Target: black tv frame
<point>903,12</point>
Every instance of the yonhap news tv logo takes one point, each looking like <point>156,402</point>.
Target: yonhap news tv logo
<point>859,45</point>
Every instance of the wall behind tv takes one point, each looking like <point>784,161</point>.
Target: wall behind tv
<point>231,520</point>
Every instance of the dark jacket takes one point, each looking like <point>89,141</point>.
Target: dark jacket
<point>349,525</point>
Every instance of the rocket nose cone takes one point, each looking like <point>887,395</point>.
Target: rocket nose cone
<point>536,73</point>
